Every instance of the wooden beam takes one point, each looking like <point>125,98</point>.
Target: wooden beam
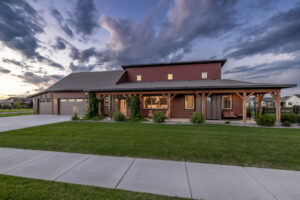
<point>169,106</point>
<point>238,94</point>
<point>203,104</point>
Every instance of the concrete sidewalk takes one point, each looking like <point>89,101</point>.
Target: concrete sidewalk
<point>171,178</point>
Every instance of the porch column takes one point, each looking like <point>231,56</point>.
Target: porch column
<point>244,107</point>
<point>278,108</point>
<point>141,103</point>
<point>169,106</point>
<point>203,105</point>
<point>276,96</point>
<point>258,98</point>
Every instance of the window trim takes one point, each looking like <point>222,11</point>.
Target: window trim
<point>138,75</point>
<point>169,79</point>
<point>231,99</point>
<point>185,102</point>
<point>204,73</point>
<point>160,96</point>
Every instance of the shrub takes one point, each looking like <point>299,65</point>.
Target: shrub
<point>298,119</point>
<point>286,124</point>
<point>197,118</point>
<point>118,116</point>
<point>265,120</point>
<point>159,117</point>
<point>75,117</point>
<point>292,118</point>
<point>227,122</point>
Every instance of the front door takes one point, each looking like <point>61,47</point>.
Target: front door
<point>123,106</point>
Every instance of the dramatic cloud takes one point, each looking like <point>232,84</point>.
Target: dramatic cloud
<point>279,34</point>
<point>19,23</point>
<point>31,78</point>
<point>4,71</point>
<point>60,44</point>
<point>21,64</point>
<point>132,42</point>
<point>81,68</point>
<point>84,17</point>
<point>61,22</point>
<point>84,55</point>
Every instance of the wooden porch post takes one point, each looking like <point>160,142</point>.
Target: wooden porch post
<point>169,106</point>
<point>276,96</point>
<point>203,105</point>
<point>258,98</point>
<point>244,107</point>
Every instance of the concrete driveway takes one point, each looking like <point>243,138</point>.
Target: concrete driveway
<point>18,122</point>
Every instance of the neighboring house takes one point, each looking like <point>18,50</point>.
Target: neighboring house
<point>293,100</point>
<point>177,89</point>
<point>267,102</point>
<point>25,102</point>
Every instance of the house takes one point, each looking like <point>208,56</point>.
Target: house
<point>177,88</point>
<point>293,100</point>
<point>25,102</point>
<point>267,102</point>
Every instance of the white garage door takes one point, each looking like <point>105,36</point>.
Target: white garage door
<point>45,107</point>
<point>69,106</point>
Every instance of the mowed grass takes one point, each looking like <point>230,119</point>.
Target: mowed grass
<point>222,144</point>
<point>13,188</point>
<point>15,114</point>
<point>16,110</point>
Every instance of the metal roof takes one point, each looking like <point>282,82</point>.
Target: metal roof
<point>222,61</point>
<point>107,81</point>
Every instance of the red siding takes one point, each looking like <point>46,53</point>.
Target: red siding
<point>180,72</point>
<point>237,105</point>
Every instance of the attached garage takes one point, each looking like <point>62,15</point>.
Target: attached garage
<point>45,107</point>
<point>70,106</point>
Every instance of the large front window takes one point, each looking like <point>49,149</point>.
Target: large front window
<point>155,102</point>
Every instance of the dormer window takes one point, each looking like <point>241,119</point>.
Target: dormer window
<point>204,75</point>
<point>170,77</point>
<point>139,77</point>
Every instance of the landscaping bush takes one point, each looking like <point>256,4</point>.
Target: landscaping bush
<point>298,119</point>
<point>118,116</point>
<point>75,117</point>
<point>265,120</point>
<point>286,124</point>
<point>292,118</point>
<point>159,117</point>
<point>197,118</point>
<point>227,122</point>
<point>93,106</point>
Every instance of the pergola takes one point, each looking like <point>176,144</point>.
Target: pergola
<point>244,94</point>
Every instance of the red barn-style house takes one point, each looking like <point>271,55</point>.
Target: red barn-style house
<point>178,89</point>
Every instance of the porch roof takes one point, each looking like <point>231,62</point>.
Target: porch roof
<point>189,85</point>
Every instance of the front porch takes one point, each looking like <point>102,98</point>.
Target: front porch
<point>213,104</point>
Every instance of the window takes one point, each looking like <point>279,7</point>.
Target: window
<point>155,102</point>
<point>204,75</point>
<point>79,100</point>
<point>189,101</point>
<point>170,76</point>
<point>290,103</point>
<point>71,100</point>
<point>106,101</point>
<point>63,100</point>
<point>139,77</point>
<point>227,102</point>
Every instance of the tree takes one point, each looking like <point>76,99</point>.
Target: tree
<point>93,105</point>
<point>18,104</point>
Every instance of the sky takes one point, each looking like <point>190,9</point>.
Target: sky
<point>43,41</point>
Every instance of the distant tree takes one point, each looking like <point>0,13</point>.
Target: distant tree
<point>18,104</point>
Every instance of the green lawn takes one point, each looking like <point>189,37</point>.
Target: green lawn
<point>223,144</point>
<point>15,114</point>
<point>14,110</point>
<point>13,188</point>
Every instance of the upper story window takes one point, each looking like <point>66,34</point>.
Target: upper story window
<point>189,102</point>
<point>170,76</point>
<point>139,77</point>
<point>227,102</point>
<point>204,75</point>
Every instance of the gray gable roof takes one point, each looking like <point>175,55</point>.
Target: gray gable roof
<point>107,81</point>
<point>82,81</point>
